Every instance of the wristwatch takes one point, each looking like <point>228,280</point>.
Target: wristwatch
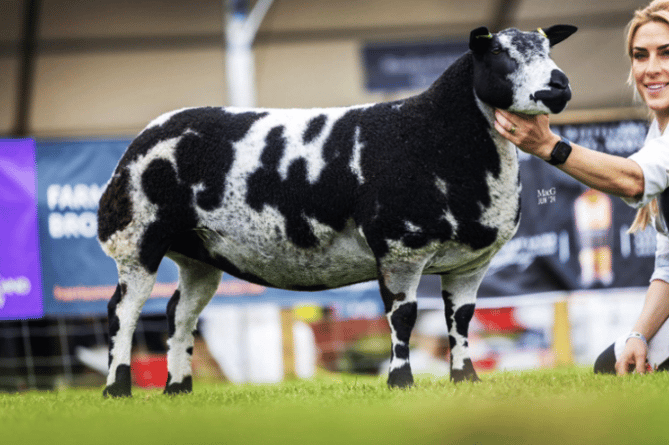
<point>560,152</point>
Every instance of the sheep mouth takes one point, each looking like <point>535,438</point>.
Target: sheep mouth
<point>555,98</point>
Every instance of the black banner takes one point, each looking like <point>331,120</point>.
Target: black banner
<point>407,66</point>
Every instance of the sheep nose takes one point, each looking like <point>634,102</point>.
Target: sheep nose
<point>558,80</point>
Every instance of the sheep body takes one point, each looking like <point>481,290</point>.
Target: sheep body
<point>323,198</point>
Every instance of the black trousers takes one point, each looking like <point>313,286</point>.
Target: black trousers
<point>606,362</point>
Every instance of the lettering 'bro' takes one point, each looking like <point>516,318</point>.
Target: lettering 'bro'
<point>77,204</point>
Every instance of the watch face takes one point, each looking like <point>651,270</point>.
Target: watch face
<point>560,153</point>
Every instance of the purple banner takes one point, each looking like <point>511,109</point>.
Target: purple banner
<point>20,282</point>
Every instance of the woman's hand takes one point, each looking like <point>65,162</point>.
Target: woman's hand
<point>531,134</point>
<point>633,357</point>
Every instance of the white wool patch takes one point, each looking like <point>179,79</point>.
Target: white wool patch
<point>143,210</point>
<point>441,185</point>
<point>397,363</point>
<point>294,122</point>
<point>122,245</point>
<point>355,165</point>
<point>504,191</point>
<point>254,240</point>
<point>533,74</point>
<point>448,216</point>
<point>411,227</point>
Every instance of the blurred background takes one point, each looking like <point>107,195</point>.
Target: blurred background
<point>106,68</point>
<point>80,78</point>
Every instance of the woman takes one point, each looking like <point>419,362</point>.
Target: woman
<point>639,180</point>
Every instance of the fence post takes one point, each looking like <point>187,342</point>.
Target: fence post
<point>562,334</point>
<point>288,343</point>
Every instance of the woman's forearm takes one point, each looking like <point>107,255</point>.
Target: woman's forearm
<point>655,309</point>
<point>610,174</point>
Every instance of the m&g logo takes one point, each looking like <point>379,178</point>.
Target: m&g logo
<point>546,196</point>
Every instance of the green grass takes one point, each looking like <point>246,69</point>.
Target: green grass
<point>568,406</point>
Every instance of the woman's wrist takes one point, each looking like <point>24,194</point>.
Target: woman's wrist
<point>637,335</point>
<point>546,148</point>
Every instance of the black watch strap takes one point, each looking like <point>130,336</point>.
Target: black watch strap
<point>560,152</point>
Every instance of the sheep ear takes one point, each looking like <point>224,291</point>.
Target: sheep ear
<point>480,40</point>
<point>558,33</point>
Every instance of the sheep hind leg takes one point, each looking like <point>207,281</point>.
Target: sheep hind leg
<point>197,285</point>
<point>459,294</point>
<point>124,308</point>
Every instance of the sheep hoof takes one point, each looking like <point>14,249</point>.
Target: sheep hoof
<point>467,373</point>
<point>185,387</point>
<point>121,385</point>
<point>400,378</point>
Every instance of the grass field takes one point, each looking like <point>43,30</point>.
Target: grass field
<point>566,406</point>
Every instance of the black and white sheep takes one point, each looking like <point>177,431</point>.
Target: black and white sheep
<point>322,198</point>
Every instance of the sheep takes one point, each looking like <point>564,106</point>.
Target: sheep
<point>313,199</point>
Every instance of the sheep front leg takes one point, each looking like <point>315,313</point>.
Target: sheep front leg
<point>398,283</point>
<point>459,294</point>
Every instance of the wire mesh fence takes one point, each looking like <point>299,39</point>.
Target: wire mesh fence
<point>44,354</point>
<point>56,352</point>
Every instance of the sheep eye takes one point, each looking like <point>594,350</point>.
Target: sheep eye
<point>496,51</point>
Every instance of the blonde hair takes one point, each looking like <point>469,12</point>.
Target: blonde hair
<point>656,11</point>
<point>643,216</point>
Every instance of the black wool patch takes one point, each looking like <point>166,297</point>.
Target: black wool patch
<point>401,351</point>
<point>175,211</point>
<point>526,43</point>
<point>462,318</point>
<point>407,145</point>
<point>115,210</point>
<point>314,128</point>
<point>452,342</point>
<point>171,313</point>
<point>449,310</point>
<point>403,321</point>
<point>266,187</point>
<point>203,154</point>
<point>112,317</point>
<point>329,200</point>
<point>215,124</point>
